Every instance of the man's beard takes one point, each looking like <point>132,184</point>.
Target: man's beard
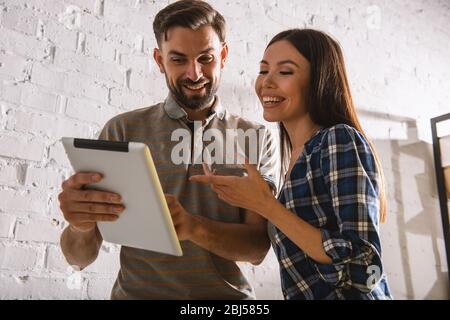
<point>196,101</point>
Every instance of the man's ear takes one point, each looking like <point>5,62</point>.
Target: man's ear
<point>223,54</point>
<point>158,59</point>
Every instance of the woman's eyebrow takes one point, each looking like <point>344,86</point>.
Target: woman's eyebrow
<point>282,62</point>
<point>288,62</point>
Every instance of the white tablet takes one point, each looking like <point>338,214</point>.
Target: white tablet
<point>128,169</point>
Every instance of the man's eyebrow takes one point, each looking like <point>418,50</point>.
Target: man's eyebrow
<point>282,62</point>
<point>207,50</point>
<point>174,52</point>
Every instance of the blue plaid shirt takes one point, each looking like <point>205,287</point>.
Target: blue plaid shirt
<point>334,187</point>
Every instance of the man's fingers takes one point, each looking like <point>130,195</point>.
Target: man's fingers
<point>79,179</point>
<point>91,196</point>
<point>170,198</point>
<point>81,217</point>
<point>95,208</point>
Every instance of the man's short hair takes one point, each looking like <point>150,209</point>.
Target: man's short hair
<point>191,14</point>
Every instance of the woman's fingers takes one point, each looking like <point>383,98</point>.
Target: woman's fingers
<point>251,169</point>
<point>225,193</point>
<point>206,169</point>
<point>213,179</point>
<point>201,178</point>
<point>224,196</point>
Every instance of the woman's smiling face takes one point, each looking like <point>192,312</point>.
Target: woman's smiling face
<point>283,82</point>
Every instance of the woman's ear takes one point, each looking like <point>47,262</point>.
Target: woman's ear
<point>223,54</point>
<point>158,59</point>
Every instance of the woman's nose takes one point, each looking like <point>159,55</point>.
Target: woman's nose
<point>268,82</point>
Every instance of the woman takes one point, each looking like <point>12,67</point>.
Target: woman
<point>324,225</point>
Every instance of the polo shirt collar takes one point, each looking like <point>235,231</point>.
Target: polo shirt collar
<point>174,111</point>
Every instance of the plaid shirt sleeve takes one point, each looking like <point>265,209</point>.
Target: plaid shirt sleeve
<point>350,175</point>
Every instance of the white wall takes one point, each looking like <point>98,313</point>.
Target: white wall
<point>68,66</point>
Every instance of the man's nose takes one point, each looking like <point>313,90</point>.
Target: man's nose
<point>194,71</point>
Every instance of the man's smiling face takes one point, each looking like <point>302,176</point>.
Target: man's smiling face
<point>192,62</point>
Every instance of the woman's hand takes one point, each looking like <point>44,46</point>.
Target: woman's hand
<point>251,192</point>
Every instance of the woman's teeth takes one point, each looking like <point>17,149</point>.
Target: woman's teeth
<point>272,100</point>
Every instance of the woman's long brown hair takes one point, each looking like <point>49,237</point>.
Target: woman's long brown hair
<point>329,101</point>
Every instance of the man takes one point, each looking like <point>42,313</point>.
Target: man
<point>191,54</point>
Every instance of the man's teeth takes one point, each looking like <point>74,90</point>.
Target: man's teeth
<point>196,87</point>
<point>272,99</point>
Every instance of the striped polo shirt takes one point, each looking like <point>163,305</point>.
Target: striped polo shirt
<point>198,274</point>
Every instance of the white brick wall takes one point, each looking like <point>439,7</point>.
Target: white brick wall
<point>14,145</point>
<point>8,174</point>
<point>67,66</point>
<point>7,223</point>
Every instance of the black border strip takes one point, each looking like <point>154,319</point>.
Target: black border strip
<point>440,179</point>
<point>100,145</point>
